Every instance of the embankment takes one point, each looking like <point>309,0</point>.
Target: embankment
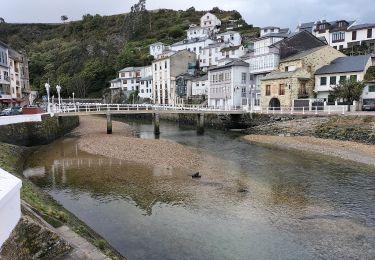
<point>33,238</point>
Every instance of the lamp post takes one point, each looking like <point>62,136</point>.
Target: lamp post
<point>73,97</point>
<point>58,88</point>
<point>47,86</point>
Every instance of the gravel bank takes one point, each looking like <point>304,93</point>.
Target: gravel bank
<point>347,150</point>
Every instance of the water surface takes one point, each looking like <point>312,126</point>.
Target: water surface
<point>264,203</point>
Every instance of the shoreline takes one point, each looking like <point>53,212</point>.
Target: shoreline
<point>345,150</point>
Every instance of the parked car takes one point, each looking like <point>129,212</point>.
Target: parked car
<point>11,111</point>
<point>368,105</point>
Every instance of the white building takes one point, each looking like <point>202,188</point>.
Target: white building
<point>342,34</point>
<point>211,22</point>
<point>5,92</point>
<point>165,71</point>
<point>200,86</point>
<point>145,87</point>
<point>210,55</point>
<point>231,37</point>
<point>130,79</point>
<point>233,52</point>
<point>157,49</point>
<point>228,84</point>
<point>193,45</point>
<point>19,77</point>
<point>351,67</point>
<point>195,31</point>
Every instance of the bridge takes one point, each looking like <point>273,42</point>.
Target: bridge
<point>82,109</point>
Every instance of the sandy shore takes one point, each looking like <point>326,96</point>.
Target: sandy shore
<point>346,150</point>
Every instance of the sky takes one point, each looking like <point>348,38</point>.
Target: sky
<point>283,13</point>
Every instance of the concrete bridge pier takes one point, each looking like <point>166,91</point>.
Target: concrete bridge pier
<point>200,124</point>
<point>109,123</point>
<point>156,124</point>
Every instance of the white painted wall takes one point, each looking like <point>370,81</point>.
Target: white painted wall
<point>10,204</point>
<point>230,37</point>
<point>200,88</point>
<point>7,120</point>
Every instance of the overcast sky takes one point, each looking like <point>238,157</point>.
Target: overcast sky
<point>285,13</point>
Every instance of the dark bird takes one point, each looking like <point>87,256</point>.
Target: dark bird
<point>196,175</point>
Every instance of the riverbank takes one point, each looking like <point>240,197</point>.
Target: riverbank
<point>346,150</point>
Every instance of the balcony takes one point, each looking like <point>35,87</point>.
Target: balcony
<point>324,88</point>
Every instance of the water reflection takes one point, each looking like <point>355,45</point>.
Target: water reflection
<point>251,203</point>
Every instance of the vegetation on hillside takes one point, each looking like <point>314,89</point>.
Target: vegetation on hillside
<point>82,56</point>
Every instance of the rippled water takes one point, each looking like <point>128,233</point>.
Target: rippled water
<point>263,204</point>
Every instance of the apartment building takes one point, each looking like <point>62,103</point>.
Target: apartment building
<point>200,86</point>
<point>165,71</point>
<point>228,84</point>
<point>5,92</point>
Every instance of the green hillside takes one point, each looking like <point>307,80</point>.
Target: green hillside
<point>84,55</point>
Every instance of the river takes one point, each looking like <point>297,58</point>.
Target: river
<point>264,204</point>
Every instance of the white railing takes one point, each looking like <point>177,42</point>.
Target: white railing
<point>307,110</point>
<point>10,204</point>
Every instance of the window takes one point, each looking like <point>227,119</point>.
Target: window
<point>243,78</point>
<point>354,35</point>
<point>156,67</point>
<point>332,80</point>
<point>281,89</point>
<point>342,79</point>
<point>268,90</point>
<point>124,81</point>
<point>371,88</point>
<point>338,36</point>
<point>165,64</point>
<point>323,81</point>
<point>353,77</point>
<point>122,75</point>
<point>341,47</point>
<point>369,33</point>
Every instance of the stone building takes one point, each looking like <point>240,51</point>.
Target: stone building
<point>294,79</point>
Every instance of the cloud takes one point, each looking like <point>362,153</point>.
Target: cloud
<point>286,13</point>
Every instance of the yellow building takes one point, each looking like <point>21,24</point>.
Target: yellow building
<point>294,78</point>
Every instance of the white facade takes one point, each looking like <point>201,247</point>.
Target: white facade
<point>233,52</point>
<point>368,96</point>
<point>193,45</point>
<point>234,38</point>
<point>268,30</point>
<point>210,21</point>
<point>200,86</point>
<point>210,55</point>
<point>197,32</point>
<point>145,87</point>
<point>157,49</point>
<point>228,85</point>
<point>324,83</point>
<point>343,34</point>
<point>5,92</point>
<point>10,204</point>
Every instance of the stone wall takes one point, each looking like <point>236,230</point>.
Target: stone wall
<point>38,133</point>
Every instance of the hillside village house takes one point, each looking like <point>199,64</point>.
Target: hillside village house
<point>342,34</point>
<point>14,77</point>
<point>129,80</point>
<point>157,49</point>
<point>228,84</point>
<point>211,22</point>
<point>165,71</point>
<point>145,87</point>
<point>200,86</point>
<point>183,87</point>
<point>343,68</point>
<point>294,79</point>
<point>230,37</point>
<point>194,45</point>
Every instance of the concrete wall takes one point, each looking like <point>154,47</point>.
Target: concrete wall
<point>10,204</point>
<point>37,133</point>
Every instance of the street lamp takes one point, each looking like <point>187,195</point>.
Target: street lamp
<point>47,86</point>
<point>73,97</point>
<point>58,88</point>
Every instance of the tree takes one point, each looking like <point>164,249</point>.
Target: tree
<point>2,20</point>
<point>64,18</point>
<point>349,90</point>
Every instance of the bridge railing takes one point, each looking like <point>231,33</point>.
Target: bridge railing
<point>308,110</point>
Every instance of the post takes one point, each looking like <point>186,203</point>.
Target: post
<point>200,124</point>
<point>109,124</point>
<point>156,124</point>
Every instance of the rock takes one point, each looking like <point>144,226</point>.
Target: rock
<point>196,176</point>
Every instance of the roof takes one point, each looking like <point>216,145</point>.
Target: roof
<point>185,75</point>
<point>146,78</point>
<point>203,78</point>
<point>268,35</point>
<point>188,41</point>
<point>214,45</point>
<point>115,80</point>
<point>302,54</point>
<point>230,48</point>
<point>361,26</point>
<point>345,64</point>
<point>228,32</point>
<point>3,44</point>
<point>237,63</point>
<point>157,43</point>
<point>298,73</point>
<point>270,27</point>
<point>128,69</point>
